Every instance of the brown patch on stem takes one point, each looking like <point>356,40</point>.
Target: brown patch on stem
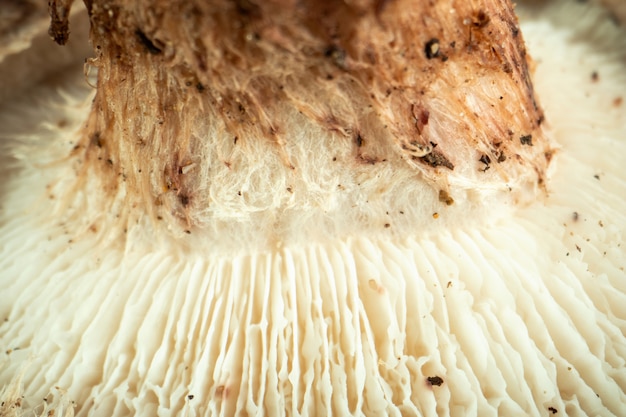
<point>59,20</point>
<point>220,78</point>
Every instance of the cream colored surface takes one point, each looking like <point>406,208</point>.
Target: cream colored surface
<point>519,315</point>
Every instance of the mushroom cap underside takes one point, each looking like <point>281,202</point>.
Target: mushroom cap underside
<point>518,315</point>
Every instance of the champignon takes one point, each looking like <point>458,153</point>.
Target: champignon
<point>301,208</point>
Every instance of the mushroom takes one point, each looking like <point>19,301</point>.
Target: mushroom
<point>295,208</point>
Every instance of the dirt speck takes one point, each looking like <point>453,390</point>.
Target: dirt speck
<point>434,381</point>
<point>431,48</point>
<point>526,140</point>
<point>436,159</point>
<point>444,197</point>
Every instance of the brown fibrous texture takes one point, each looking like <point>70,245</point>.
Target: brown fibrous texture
<point>189,92</point>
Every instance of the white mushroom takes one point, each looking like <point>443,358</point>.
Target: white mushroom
<point>253,242</point>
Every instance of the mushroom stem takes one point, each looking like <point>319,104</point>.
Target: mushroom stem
<point>262,118</point>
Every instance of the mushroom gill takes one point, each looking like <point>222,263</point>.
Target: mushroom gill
<point>296,208</point>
